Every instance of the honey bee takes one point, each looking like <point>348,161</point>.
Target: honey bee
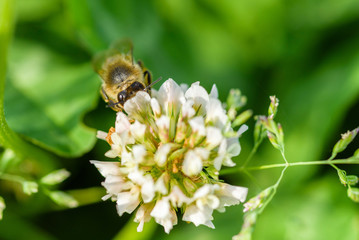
<point>121,76</point>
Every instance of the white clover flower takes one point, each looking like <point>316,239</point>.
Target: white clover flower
<point>170,148</point>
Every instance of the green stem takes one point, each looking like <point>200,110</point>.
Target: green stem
<point>335,167</point>
<point>285,159</point>
<point>13,178</point>
<point>275,186</point>
<point>8,138</point>
<point>353,160</point>
<point>280,177</point>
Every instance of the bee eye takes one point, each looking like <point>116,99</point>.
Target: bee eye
<point>122,97</point>
<point>137,86</point>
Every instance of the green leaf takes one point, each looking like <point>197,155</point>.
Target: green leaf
<point>346,139</point>
<point>352,179</point>
<point>353,194</point>
<point>342,177</point>
<point>47,97</point>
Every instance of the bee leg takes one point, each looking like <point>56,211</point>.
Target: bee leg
<point>147,76</point>
<point>139,62</point>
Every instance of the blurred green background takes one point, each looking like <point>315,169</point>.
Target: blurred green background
<point>304,52</point>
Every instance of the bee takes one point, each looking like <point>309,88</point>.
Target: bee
<point>121,76</point>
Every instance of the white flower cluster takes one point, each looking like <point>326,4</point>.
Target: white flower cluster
<point>171,147</point>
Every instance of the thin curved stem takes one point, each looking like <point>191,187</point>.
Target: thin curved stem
<point>353,160</point>
<point>254,150</point>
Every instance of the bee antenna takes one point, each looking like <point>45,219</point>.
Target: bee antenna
<point>153,83</point>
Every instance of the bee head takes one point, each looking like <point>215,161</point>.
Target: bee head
<point>126,94</point>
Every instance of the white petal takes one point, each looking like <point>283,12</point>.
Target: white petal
<point>202,153</point>
<point>163,123</point>
<point>223,147</point>
<point>216,115</point>
<point>156,108</point>
<point>234,148</point>
<point>116,140</point>
<point>107,168</point>
<point>164,214</point>
<point>145,181</point>
<point>148,189</point>
<point>160,185</point>
<point>187,109</point>
<point>217,162</point>
<point>139,153</point>
<point>177,197</point>
<point>122,124</point>
<point>101,135</point>
<point>214,92</point>
<point>136,176</point>
<point>161,154</point>
<point>112,153</point>
<point>192,164</point>
<point>171,97</point>
<point>197,125</point>
<point>127,202</point>
<point>143,215</point>
<point>212,201</point>
<point>213,136</point>
<point>205,190</point>
<point>139,106</point>
<point>242,129</point>
<point>127,158</point>
<point>197,217</point>
<point>231,195</point>
<point>198,94</point>
<point>138,130</point>
<point>115,185</point>
<point>161,209</point>
<point>227,161</point>
<point>169,221</point>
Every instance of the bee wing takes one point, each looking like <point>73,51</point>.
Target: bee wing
<point>122,46</point>
<point>98,61</point>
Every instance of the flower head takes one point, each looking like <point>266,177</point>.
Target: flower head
<point>169,150</point>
